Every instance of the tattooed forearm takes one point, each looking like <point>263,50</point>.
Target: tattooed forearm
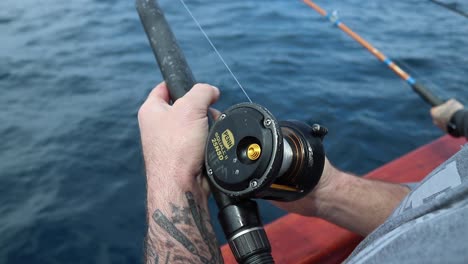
<point>160,219</point>
<point>166,224</point>
<point>198,218</point>
<point>186,233</point>
<point>150,255</point>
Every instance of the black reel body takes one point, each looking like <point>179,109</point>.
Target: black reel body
<point>249,154</point>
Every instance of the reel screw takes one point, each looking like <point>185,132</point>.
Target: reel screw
<point>254,183</point>
<point>221,117</point>
<point>267,122</point>
<point>316,128</point>
<point>210,171</point>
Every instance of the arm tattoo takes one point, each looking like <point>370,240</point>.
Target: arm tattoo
<point>198,218</point>
<point>150,254</point>
<point>182,227</point>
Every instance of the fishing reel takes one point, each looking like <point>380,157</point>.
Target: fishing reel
<point>249,154</point>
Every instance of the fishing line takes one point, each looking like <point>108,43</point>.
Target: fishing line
<point>215,49</point>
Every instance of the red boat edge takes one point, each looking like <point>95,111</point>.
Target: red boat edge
<point>298,239</point>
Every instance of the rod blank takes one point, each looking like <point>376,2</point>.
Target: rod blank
<point>171,60</point>
<point>422,91</point>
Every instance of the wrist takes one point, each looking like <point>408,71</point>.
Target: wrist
<point>319,202</point>
<point>168,176</point>
<point>161,193</point>
<point>325,196</point>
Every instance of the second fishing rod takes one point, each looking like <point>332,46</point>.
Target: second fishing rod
<point>419,88</point>
<point>249,153</point>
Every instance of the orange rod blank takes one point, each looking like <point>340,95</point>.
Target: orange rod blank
<point>400,72</point>
<point>418,88</point>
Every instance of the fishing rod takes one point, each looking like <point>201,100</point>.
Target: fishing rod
<point>452,7</point>
<point>420,89</point>
<point>248,154</point>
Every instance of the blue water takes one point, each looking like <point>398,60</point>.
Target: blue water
<point>74,73</point>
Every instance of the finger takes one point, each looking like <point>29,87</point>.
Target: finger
<point>160,94</point>
<point>457,104</point>
<point>201,96</point>
<point>215,113</point>
<point>434,112</point>
<point>452,101</point>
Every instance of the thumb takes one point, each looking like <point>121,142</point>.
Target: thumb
<point>215,113</point>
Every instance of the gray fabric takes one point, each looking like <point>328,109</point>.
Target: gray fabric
<point>429,226</point>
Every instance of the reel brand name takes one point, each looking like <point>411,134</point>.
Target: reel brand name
<point>228,139</point>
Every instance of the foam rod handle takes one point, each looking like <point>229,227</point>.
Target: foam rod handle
<point>171,60</point>
<point>427,95</point>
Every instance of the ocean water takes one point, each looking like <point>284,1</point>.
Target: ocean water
<point>74,73</point>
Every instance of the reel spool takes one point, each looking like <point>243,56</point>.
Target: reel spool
<point>249,154</point>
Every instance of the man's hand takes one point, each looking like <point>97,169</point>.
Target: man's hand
<point>442,114</point>
<point>173,139</point>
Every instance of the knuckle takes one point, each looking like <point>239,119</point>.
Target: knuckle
<point>203,86</point>
<point>152,94</point>
<point>199,85</point>
<point>142,111</point>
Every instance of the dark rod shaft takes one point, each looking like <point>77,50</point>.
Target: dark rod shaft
<point>171,60</point>
<point>427,95</point>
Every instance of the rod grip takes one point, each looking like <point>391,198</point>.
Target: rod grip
<point>171,60</point>
<point>427,95</point>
